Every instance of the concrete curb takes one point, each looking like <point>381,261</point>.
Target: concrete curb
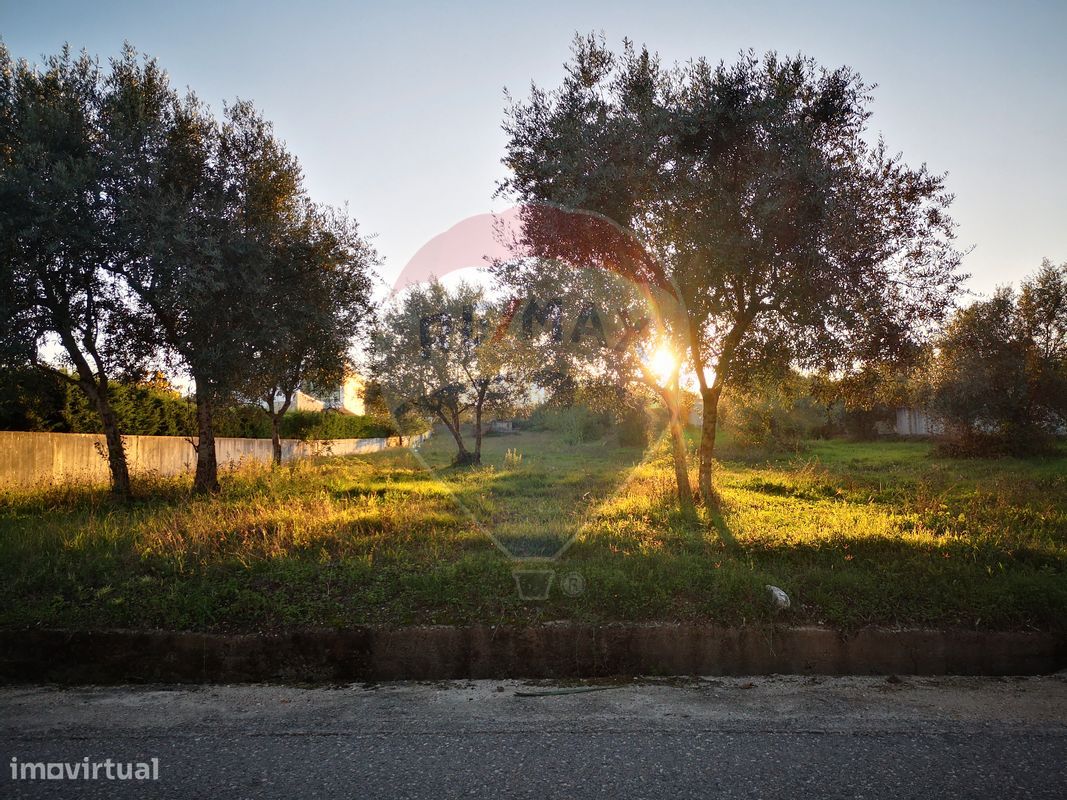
<point>558,650</point>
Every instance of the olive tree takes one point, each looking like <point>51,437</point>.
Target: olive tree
<point>435,350</point>
<point>205,207</point>
<point>598,316</point>
<point>784,232</point>
<point>60,310</point>
<point>318,299</point>
<point>998,377</point>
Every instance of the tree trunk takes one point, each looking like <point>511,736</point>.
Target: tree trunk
<point>671,397</point>
<point>116,453</point>
<point>463,456</point>
<point>275,440</point>
<point>709,395</point>
<point>710,398</point>
<point>681,464</point>
<point>95,385</point>
<point>478,434</point>
<point>456,435</point>
<point>206,480</point>
<point>276,415</point>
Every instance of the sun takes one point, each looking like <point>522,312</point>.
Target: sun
<point>662,363</point>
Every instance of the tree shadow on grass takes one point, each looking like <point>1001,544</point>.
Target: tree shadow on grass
<point>718,523</point>
<point>533,506</point>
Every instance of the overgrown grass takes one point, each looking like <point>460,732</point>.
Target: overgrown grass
<point>855,533</point>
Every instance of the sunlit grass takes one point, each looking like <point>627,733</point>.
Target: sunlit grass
<point>855,533</point>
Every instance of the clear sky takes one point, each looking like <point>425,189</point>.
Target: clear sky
<point>395,108</point>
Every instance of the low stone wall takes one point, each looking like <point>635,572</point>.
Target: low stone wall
<point>36,458</point>
<point>556,650</point>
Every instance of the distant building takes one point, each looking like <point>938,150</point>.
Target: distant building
<point>346,397</point>
<point>917,422</point>
<point>911,422</point>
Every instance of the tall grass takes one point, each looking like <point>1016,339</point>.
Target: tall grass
<point>856,534</point>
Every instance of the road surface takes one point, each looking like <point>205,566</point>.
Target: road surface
<point>787,737</point>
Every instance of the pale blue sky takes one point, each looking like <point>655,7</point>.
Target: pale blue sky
<point>396,108</point>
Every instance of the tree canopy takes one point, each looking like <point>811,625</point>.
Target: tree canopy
<point>136,228</point>
<point>435,350</point>
<point>238,276</point>
<point>317,301</point>
<point>999,376</point>
<point>786,235</point>
<point>56,232</point>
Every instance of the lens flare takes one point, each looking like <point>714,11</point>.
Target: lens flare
<point>662,363</point>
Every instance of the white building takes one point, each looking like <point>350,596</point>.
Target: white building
<point>917,422</point>
<point>347,397</point>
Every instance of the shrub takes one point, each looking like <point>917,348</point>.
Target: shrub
<point>405,419</point>
<point>154,409</point>
<point>242,421</point>
<point>763,424</point>
<point>771,417</point>
<point>308,425</point>
<point>1006,441</point>
<point>596,411</point>
<point>151,408</point>
<point>32,400</point>
<point>862,404</point>
<point>578,424</point>
<point>999,380</point>
<point>633,427</point>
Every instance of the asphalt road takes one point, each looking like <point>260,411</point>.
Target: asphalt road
<point>730,737</point>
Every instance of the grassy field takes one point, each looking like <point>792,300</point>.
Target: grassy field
<point>857,534</point>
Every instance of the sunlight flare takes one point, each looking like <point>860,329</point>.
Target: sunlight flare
<point>662,363</point>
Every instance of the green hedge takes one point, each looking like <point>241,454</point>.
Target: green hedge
<point>142,410</point>
<point>242,421</point>
<point>146,410</point>
<point>331,425</point>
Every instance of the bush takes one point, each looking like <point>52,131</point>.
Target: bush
<point>999,380</point>
<point>151,408</point>
<point>406,420</point>
<point>633,428</point>
<point>593,411</point>
<point>242,421</point>
<point>577,423</point>
<point>308,425</point>
<point>763,424</point>
<point>862,404</point>
<point>1017,440</point>
<point>32,400</point>
<point>775,417</point>
<point>154,409</point>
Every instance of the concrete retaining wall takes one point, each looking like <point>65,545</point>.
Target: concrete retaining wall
<point>36,458</point>
<point>561,650</point>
